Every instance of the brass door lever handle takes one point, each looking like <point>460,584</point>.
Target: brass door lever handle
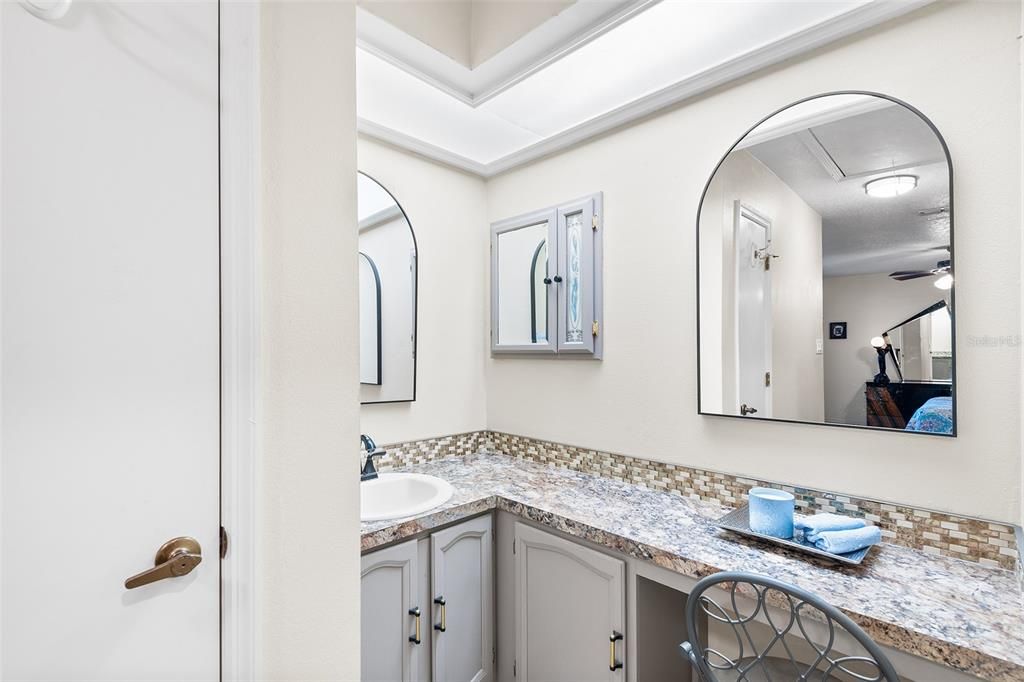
<point>174,559</point>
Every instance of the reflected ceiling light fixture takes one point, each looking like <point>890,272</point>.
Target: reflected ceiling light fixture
<point>945,282</point>
<point>890,186</point>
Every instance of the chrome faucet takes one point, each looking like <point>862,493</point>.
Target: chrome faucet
<point>369,471</point>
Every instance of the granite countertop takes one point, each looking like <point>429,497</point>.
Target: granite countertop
<point>957,613</point>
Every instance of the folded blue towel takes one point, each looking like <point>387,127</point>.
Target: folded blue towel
<point>843,541</point>
<point>812,525</point>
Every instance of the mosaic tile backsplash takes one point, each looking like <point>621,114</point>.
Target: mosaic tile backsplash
<point>988,543</point>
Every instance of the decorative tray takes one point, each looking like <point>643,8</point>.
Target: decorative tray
<point>738,521</point>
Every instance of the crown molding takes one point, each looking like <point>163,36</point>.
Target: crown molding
<point>557,37</point>
<point>390,136</point>
<point>787,47</point>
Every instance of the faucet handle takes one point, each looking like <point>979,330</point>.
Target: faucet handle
<point>369,471</point>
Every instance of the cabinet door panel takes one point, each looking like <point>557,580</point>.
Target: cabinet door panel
<point>569,600</point>
<point>461,562</point>
<point>523,297</point>
<point>389,591</point>
<point>576,268</point>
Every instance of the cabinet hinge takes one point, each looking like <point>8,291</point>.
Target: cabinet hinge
<point>593,222</point>
<point>767,378</point>
<point>223,542</point>
<point>513,669</point>
<point>596,328</point>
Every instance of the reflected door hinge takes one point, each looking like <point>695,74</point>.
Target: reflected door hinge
<point>595,328</point>
<point>593,222</point>
<point>513,546</point>
<point>767,378</point>
<point>514,673</point>
<point>223,542</point>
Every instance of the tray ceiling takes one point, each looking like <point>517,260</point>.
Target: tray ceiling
<point>592,66</point>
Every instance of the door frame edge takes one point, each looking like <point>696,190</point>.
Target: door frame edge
<point>240,277</point>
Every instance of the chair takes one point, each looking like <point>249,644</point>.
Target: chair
<point>747,598</point>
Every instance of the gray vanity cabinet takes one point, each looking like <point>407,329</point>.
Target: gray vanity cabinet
<point>390,597</point>
<point>570,610</point>
<point>448,578</point>
<point>462,577</point>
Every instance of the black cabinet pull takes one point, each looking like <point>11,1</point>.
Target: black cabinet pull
<point>558,278</point>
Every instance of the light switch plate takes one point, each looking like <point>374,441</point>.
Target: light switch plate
<point>818,348</point>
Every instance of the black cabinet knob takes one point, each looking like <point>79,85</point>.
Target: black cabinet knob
<point>558,278</point>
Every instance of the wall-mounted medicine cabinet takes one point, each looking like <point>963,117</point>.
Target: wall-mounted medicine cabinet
<point>546,280</point>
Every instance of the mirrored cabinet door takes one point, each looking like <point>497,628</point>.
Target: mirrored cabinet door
<point>523,283</point>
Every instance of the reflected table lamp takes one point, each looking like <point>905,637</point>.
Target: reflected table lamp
<point>883,347</point>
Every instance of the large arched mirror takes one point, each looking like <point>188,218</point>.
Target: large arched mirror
<point>387,297</point>
<point>825,270</point>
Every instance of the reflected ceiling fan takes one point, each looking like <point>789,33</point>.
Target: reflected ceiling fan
<point>941,270</point>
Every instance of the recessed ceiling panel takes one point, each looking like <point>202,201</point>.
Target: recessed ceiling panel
<point>666,43</point>
<point>892,137</point>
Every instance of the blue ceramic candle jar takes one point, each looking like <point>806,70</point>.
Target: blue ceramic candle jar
<point>771,512</point>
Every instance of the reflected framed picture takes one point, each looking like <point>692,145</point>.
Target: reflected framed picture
<point>837,330</point>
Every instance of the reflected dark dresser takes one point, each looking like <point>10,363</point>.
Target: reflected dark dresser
<point>892,405</point>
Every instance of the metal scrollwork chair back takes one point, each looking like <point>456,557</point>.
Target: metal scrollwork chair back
<point>767,656</point>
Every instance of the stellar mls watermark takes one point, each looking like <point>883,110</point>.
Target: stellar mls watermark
<point>989,341</point>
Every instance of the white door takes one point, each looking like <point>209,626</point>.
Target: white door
<point>753,314</point>
<point>110,369</point>
<point>463,602</point>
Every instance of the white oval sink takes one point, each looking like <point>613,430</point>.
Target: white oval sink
<point>392,496</point>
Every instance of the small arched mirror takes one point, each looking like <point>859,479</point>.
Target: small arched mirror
<point>387,297</point>
<point>825,270</point>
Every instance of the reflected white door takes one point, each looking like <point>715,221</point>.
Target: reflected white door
<point>110,369</point>
<point>753,314</point>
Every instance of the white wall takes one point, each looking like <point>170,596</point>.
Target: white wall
<point>959,64</point>
<point>869,304</point>
<point>447,211</point>
<point>798,386</point>
<point>308,571</point>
